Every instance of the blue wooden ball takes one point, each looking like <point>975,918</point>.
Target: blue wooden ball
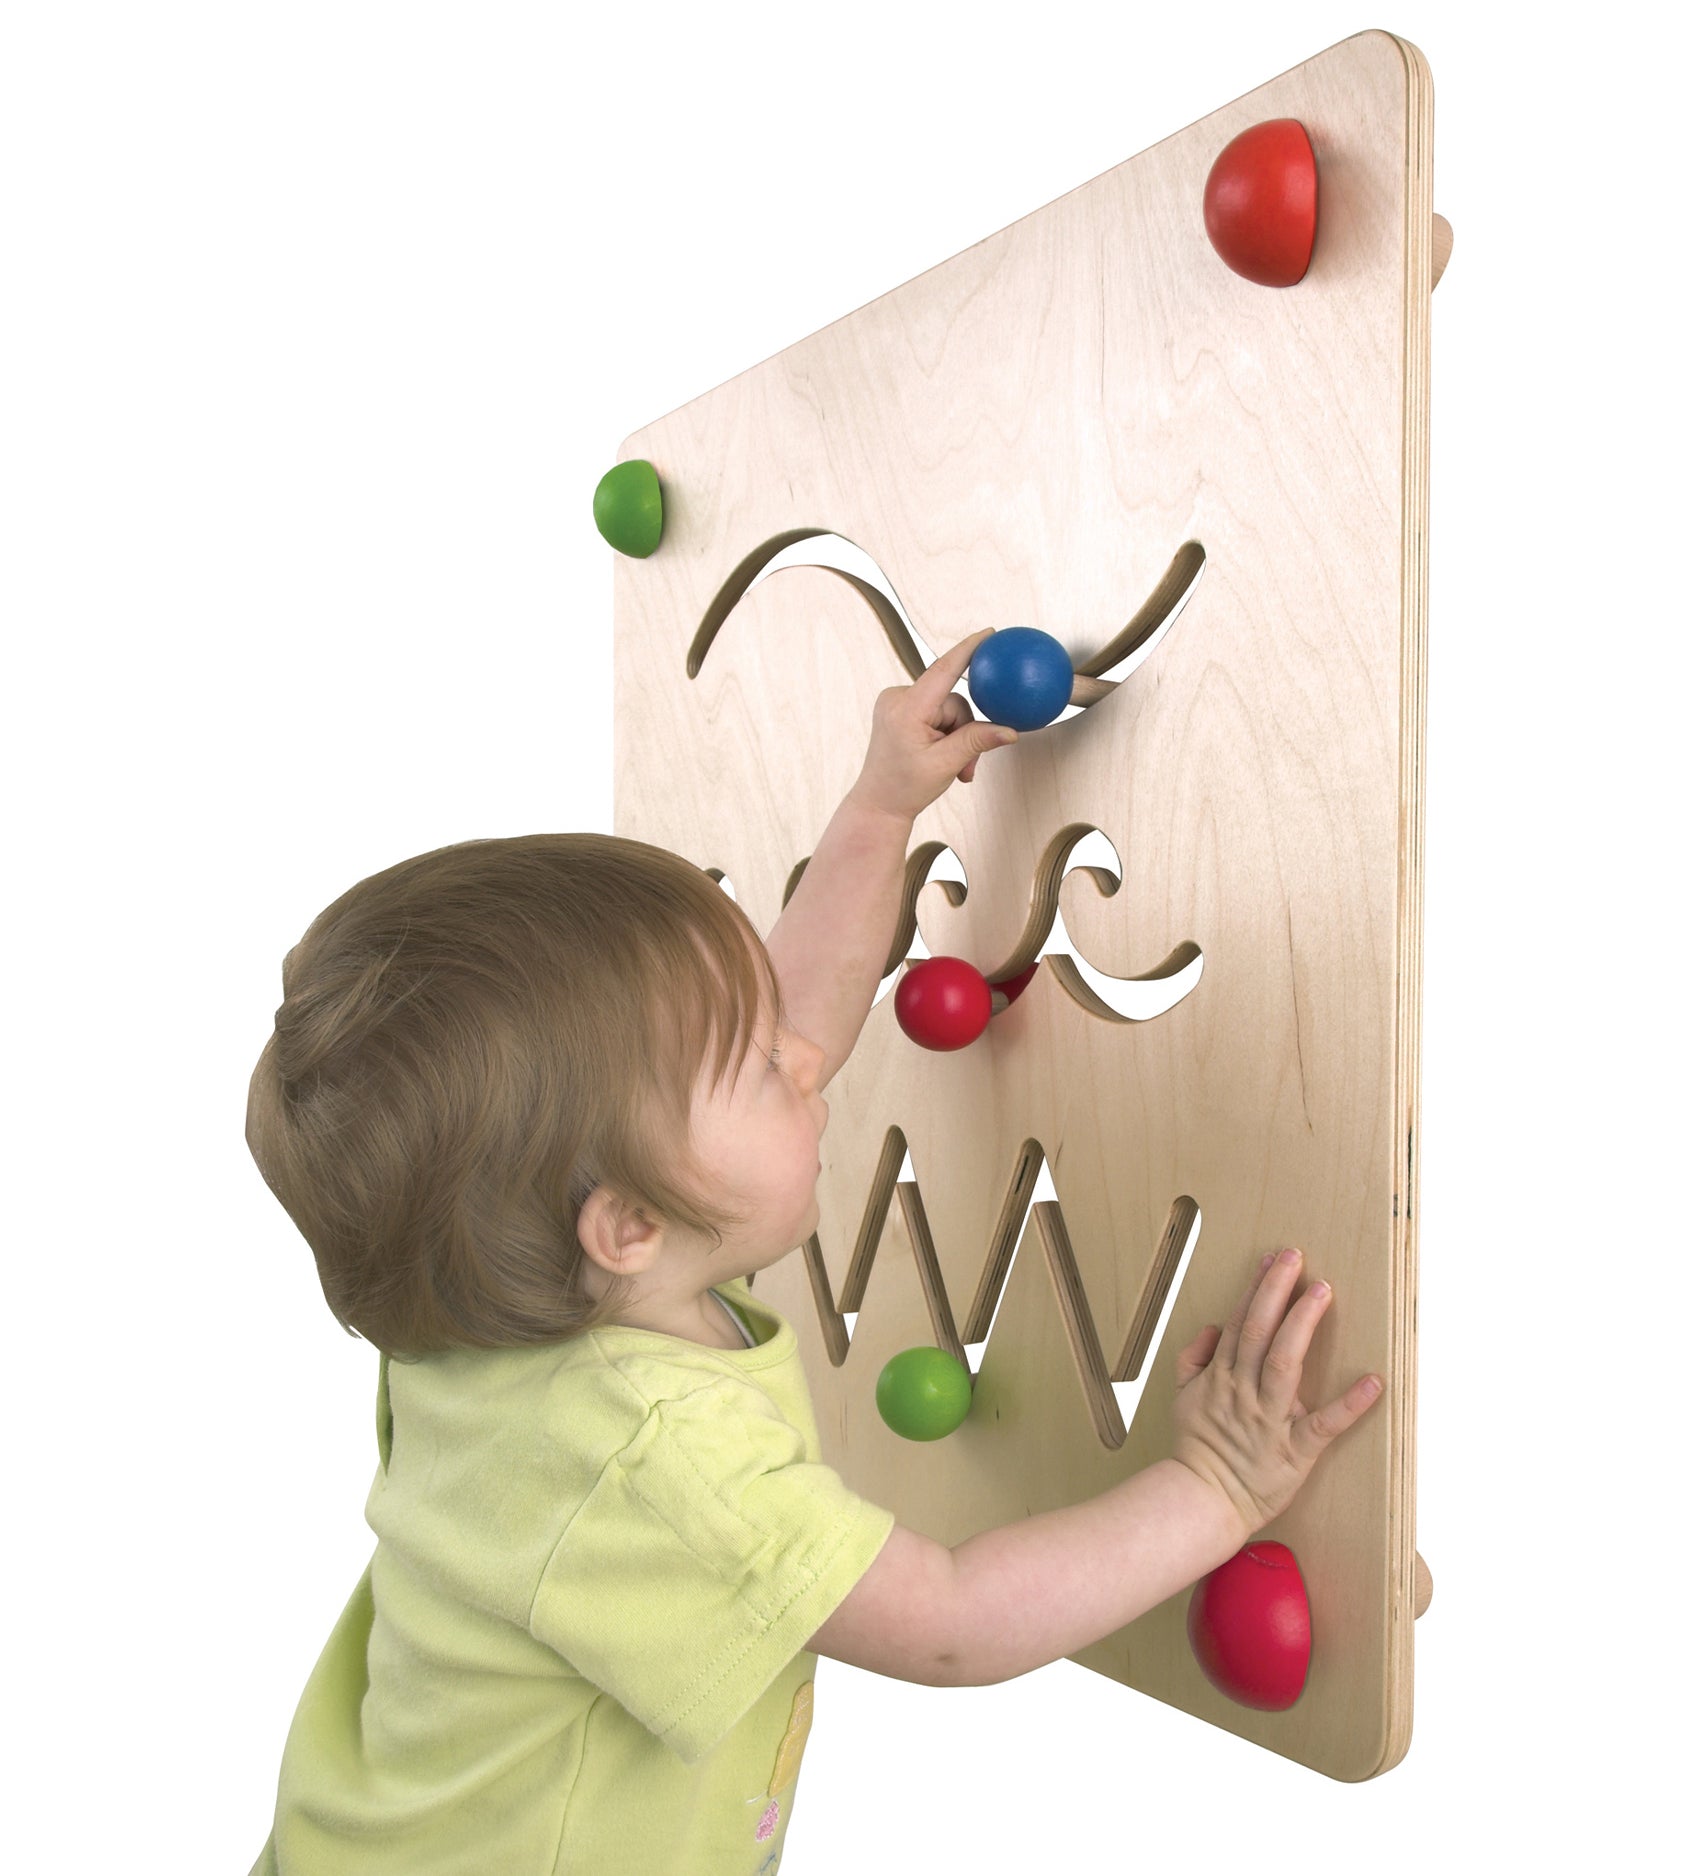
<point>1020,677</point>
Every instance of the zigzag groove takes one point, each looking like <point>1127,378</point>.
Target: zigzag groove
<point>1092,1365</point>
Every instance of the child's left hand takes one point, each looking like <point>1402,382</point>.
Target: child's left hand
<point>922,736</point>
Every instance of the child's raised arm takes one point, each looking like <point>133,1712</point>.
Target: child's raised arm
<point>834,936</point>
<point>1022,1595</point>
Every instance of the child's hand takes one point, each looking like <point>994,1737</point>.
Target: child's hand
<point>922,736</point>
<point>1237,1420</point>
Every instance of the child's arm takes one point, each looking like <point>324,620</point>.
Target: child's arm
<point>1021,1595</point>
<point>1033,1592</point>
<point>833,938</point>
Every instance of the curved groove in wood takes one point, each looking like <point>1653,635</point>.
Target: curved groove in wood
<point>1150,621</point>
<point>1052,868</point>
<point>733,590</point>
<point>1045,898</point>
<point>913,882</point>
<point>1156,613</point>
<point>1073,981</point>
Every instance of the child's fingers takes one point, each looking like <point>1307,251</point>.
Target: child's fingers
<point>1283,1367</point>
<point>1227,1352</point>
<point>1264,1316</point>
<point>1316,1432</point>
<point>1195,1356</point>
<point>1260,1315</point>
<point>938,679</point>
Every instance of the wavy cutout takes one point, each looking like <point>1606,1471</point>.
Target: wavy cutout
<point>1099,992</point>
<point>1129,646</point>
<point>1097,1375</point>
<point>1111,998</point>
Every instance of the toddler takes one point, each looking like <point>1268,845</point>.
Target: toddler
<point>541,1107</point>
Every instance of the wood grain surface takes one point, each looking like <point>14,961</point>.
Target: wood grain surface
<point>1071,425</point>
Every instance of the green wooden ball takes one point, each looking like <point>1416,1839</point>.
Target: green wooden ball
<point>627,507</point>
<point>923,1393</point>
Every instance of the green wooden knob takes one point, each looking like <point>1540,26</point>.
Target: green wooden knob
<point>924,1393</point>
<point>627,505</point>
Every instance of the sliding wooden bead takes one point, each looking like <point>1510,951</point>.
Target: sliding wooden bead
<point>943,1003</point>
<point>1020,677</point>
<point>923,1393</point>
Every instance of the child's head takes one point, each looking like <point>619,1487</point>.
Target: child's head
<point>473,1040</point>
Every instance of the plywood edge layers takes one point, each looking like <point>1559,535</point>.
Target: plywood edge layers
<point>1402,1377</point>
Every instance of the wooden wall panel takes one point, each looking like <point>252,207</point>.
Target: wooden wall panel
<point>1033,433</point>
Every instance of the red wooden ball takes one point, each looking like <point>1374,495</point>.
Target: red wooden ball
<point>1259,206</point>
<point>943,1003</point>
<point>1248,1625</point>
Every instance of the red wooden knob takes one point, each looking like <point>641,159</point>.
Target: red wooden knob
<point>943,1003</point>
<point>1259,206</point>
<point>1248,1625</point>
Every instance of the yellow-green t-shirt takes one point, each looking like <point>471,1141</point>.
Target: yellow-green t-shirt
<point>579,1646</point>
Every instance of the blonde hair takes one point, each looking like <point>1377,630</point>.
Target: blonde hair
<point>469,1043</point>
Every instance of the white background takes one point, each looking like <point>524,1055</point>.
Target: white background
<point>320,324</point>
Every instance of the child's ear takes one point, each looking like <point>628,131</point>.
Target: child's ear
<point>618,1237</point>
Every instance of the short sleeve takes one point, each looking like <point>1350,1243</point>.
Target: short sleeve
<point>706,1556</point>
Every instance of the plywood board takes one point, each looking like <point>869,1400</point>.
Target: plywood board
<point>1067,426</point>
